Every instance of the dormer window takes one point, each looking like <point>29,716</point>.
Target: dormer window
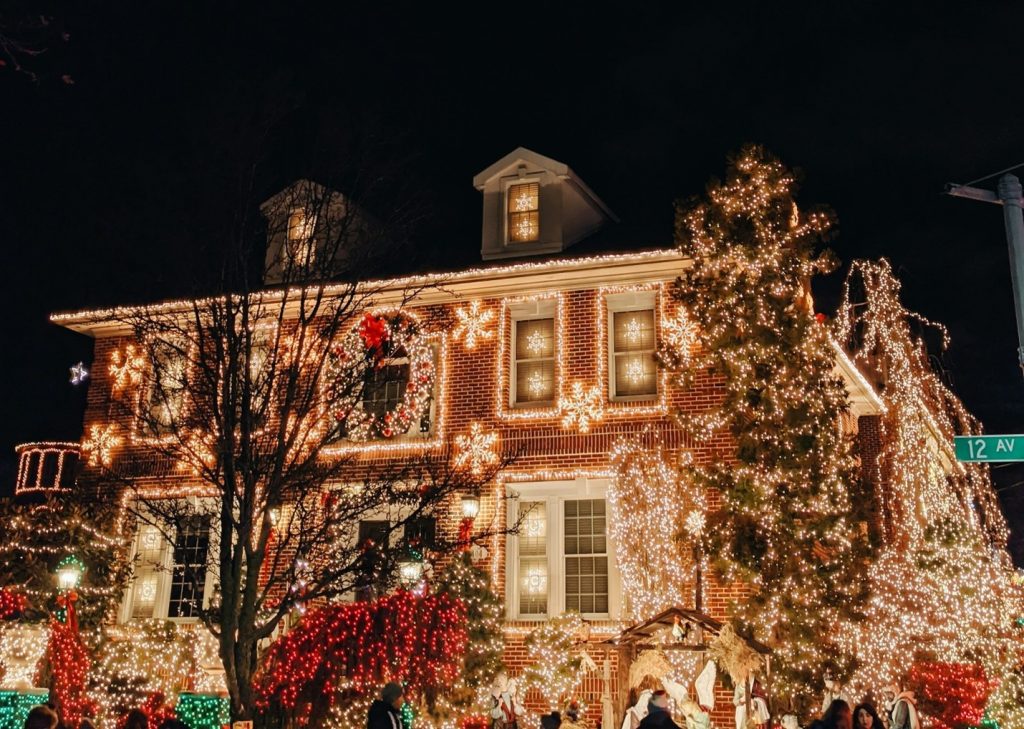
<point>300,237</point>
<point>524,212</point>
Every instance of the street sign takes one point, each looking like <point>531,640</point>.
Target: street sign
<point>989,448</point>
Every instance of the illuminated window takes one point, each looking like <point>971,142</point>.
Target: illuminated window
<point>534,361</point>
<point>170,579</point>
<point>560,558</point>
<point>167,387</point>
<point>524,212</point>
<point>300,237</point>
<point>533,559</point>
<point>634,370</point>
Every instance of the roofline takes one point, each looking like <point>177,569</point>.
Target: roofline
<point>563,274</point>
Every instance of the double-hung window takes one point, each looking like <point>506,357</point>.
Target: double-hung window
<point>632,341</point>
<point>534,353</point>
<point>523,210</point>
<point>167,386</point>
<point>171,578</point>
<point>561,557</point>
<point>300,245</point>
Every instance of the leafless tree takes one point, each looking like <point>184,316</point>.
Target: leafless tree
<point>256,400</point>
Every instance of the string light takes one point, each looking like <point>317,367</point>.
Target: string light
<point>473,324</point>
<point>477,450</point>
<point>70,665</point>
<point>30,465</point>
<point>126,368</point>
<point>22,646</point>
<point>539,386</point>
<point>555,665</point>
<point>200,711</point>
<point>79,374</point>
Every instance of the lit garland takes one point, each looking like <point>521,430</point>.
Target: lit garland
<point>784,528</point>
<point>477,450</point>
<point>582,407</point>
<point>945,536</point>
<point>12,603</point>
<point>650,506</point>
<point>473,324</point>
<point>33,454</point>
<point>126,368</point>
<point>100,444</point>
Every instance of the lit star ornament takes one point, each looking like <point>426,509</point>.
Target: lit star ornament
<point>79,374</point>
<point>473,324</point>
<point>581,408</point>
<point>100,444</point>
<point>476,450</point>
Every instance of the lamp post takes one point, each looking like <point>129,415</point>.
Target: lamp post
<point>470,506</point>
<point>69,577</point>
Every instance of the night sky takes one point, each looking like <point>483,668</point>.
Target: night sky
<point>118,186</point>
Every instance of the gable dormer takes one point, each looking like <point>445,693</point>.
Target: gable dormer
<point>535,205</point>
<point>312,233</point>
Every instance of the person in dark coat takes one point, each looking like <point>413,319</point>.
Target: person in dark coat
<point>657,713</point>
<point>865,717</point>
<point>838,716</point>
<point>384,712</point>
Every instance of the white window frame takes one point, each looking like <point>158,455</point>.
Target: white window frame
<point>617,304</point>
<point>506,185</point>
<point>164,576</point>
<point>555,494</point>
<point>528,311</point>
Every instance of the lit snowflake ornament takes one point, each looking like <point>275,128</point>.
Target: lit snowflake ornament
<point>100,444</point>
<point>581,408</point>
<point>473,324</point>
<point>477,450</point>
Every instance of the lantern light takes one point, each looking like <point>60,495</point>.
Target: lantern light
<point>410,572</point>
<point>69,573</point>
<point>470,506</point>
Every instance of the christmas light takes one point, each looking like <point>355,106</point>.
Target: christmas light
<point>69,573</point>
<point>200,711</point>
<point>22,646</point>
<point>582,407</point>
<point>30,465</point>
<point>477,450</point>
<point>100,444</point>
<point>69,662</point>
<point>126,368</point>
<point>473,324</point>
<point>15,706</point>
<point>79,374</point>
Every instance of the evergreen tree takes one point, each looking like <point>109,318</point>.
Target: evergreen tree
<point>784,526</point>
<point>484,653</point>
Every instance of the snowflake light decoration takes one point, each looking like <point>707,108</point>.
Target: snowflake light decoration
<point>473,324</point>
<point>680,334</point>
<point>197,454</point>
<point>100,444</point>
<point>126,369</point>
<point>581,408</point>
<point>476,450</point>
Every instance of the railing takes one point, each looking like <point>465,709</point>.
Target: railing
<point>46,466</point>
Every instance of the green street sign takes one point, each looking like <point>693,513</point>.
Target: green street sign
<point>989,448</point>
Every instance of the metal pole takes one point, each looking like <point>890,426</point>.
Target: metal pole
<point>1009,191</point>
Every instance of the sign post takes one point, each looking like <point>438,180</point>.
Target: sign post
<point>989,448</point>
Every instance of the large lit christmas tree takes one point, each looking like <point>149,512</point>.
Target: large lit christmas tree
<point>784,526</point>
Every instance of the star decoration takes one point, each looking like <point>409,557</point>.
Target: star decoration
<point>472,324</point>
<point>476,450</point>
<point>79,374</point>
<point>581,408</point>
<point>100,444</point>
<point>126,369</point>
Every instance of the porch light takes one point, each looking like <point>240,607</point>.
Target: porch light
<point>470,506</point>
<point>69,573</point>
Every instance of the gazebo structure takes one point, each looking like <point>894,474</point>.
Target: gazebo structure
<point>694,630</point>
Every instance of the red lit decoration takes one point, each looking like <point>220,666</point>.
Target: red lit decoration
<point>70,665</point>
<point>418,641</point>
<point>953,694</point>
<point>156,709</point>
<point>12,604</point>
<point>465,534</point>
<point>373,330</point>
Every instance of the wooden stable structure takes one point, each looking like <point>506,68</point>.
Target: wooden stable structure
<point>697,628</point>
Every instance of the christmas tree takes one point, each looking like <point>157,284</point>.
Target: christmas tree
<point>784,526</point>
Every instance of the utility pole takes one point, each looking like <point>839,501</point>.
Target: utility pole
<point>1008,194</point>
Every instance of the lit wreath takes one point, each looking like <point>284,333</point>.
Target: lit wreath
<point>375,343</point>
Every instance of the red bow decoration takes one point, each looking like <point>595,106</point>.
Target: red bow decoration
<point>67,602</point>
<point>465,533</point>
<point>374,332</point>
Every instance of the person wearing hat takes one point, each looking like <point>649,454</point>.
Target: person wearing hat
<point>383,712</point>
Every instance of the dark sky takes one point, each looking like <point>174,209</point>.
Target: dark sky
<point>114,188</point>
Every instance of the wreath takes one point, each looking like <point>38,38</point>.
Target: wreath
<point>377,341</point>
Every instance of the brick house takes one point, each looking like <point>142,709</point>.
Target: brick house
<point>561,321</point>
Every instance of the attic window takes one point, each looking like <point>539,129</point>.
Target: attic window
<point>300,236</point>
<point>524,212</point>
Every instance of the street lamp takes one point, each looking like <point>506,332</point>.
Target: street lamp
<point>410,572</point>
<point>69,573</point>
<point>470,506</point>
